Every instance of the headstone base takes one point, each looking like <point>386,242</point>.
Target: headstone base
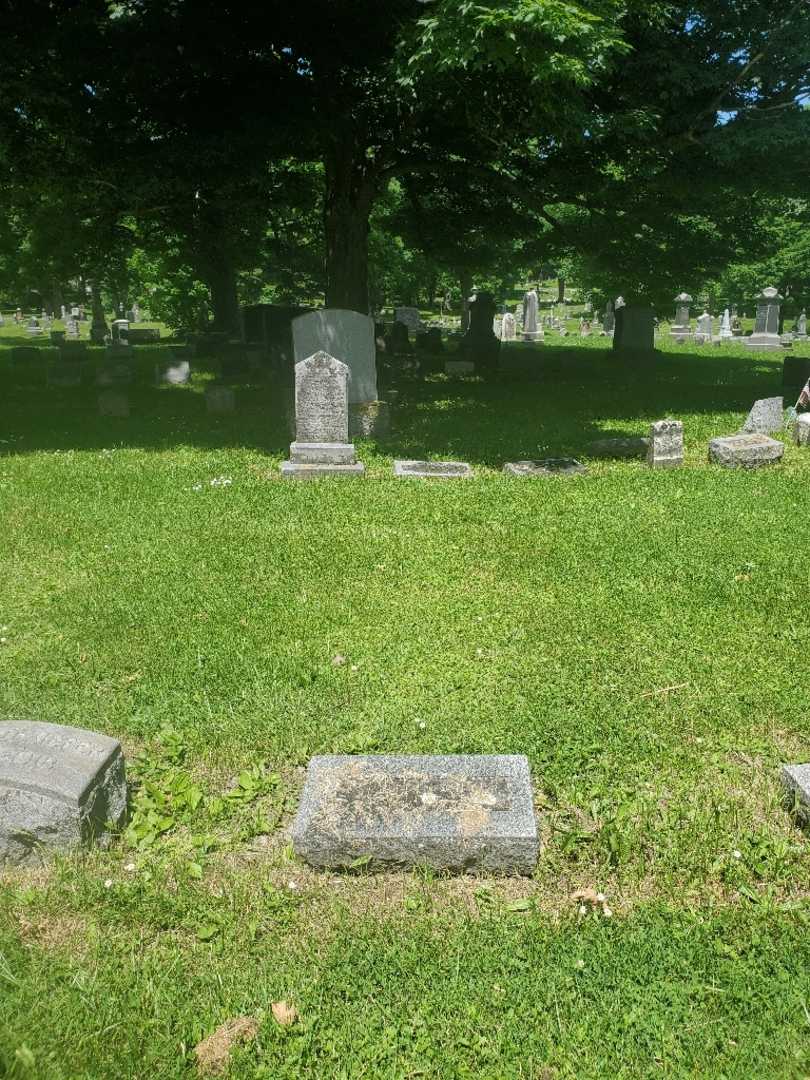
<point>322,453</point>
<point>763,342</point>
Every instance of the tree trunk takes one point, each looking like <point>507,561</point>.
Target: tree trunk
<point>348,200</point>
<point>560,290</point>
<point>224,297</point>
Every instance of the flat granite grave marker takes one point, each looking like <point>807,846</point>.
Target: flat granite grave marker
<point>545,467</point>
<point>442,470</point>
<point>59,788</point>
<point>459,812</point>
<point>796,781</point>
<point>459,367</point>
<point>745,451</point>
<point>765,417</point>
<point>666,444</point>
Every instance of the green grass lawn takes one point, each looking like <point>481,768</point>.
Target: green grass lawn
<point>641,636</point>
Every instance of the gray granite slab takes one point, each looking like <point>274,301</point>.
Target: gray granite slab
<point>459,812</point>
<point>442,470</point>
<point>796,781</point>
<point>801,430</point>
<point>766,416</point>
<point>59,788</point>
<point>545,467</point>
<point>631,446</point>
<point>745,451</point>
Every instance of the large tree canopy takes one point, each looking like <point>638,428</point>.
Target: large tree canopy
<point>639,143</point>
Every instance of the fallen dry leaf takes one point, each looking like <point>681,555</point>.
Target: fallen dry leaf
<point>586,896</point>
<point>213,1053</point>
<point>284,1013</point>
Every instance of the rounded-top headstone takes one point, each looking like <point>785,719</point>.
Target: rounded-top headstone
<point>60,787</point>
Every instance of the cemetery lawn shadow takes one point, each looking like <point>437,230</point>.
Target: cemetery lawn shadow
<point>568,396</point>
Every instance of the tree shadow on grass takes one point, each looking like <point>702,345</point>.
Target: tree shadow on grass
<point>567,397</point>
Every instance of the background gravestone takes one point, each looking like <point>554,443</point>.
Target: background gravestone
<point>766,416</point>
<point>345,335</point>
<point>665,450</point>
<point>59,787</point>
<point>766,327</point>
<point>634,332</point>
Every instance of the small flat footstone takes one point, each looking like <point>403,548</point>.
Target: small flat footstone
<point>796,781</point>
<point>59,788</point>
<point>745,451</point>
<point>545,467</point>
<point>630,447</point>
<point>442,470</point>
<point>801,430</point>
<point>459,812</point>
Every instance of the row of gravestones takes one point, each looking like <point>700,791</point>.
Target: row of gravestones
<point>766,334</point>
<point>63,787</point>
<point>322,447</point>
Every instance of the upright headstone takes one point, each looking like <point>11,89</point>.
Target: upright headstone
<point>508,327</point>
<point>479,345</point>
<point>609,319</point>
<point>703,331</point>
<point>726,333</point>
<point>766,328</point>
<point>344,335</point>
<point>411,317</point>
<point>531,329</point>
<point>59,787</point>
<point>173,372</point>
<point>796,784</point>
<point>634,334</point>
<point>800,326</point>
<point>120,331</point>
<point>398,342</point>
<point>72,328</point>
<point>665,450</point>
<point>766,416</point>
<point>321,446</point>
<point>682,326</point>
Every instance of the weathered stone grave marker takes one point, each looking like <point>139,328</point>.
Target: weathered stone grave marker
<point>59,788</point>
<point>796,782</point>
<point>173,372</point>
<point>436,470</point>
<point>460,812</point>
<point>745,451</point>
<point>545,467</point>
<point>665,450</point>
<point>766,416</point>
<point>801,430</point>
<point>629,446</point>
<point>321,446</point>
